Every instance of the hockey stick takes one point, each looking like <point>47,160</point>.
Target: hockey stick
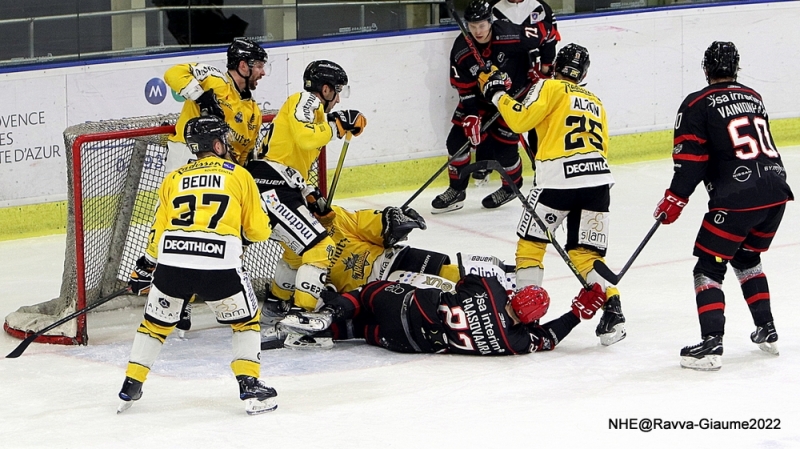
<point>496,166</point>
<point>464,148</point>
<point>603,270</point>
<point>467,36</point>
<point>28,340</point>
<point>339,165</point>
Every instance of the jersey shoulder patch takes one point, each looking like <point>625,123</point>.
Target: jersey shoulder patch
<point>307,104</point>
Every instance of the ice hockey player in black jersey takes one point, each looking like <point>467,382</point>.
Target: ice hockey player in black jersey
<point>506,46</point>
<point>478,318</point>
<point>538,15</point>
<point>722,139</point>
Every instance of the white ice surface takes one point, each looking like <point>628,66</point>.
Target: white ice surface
<point>356,396</point>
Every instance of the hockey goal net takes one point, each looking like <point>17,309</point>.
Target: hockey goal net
<point>114,170</point>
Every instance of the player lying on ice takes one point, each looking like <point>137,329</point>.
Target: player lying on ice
<point>479,317</point>
<point>367,248</point>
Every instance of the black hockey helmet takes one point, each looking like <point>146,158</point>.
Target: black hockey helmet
<point>201,133</point>
<point>322,72</point>
<point>572,62</point>
<point>243,49</point>
<point>477,11</point>
<point>721,60</point>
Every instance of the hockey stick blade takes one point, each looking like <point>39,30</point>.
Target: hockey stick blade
<point>606,273</point>
<point>30,339</point>
<point>496,166</point>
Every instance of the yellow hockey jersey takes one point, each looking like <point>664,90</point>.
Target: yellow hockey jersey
<point>241,114</point>
<point>204,210</point>
<point>359,243</point>
<point>570,133</point>
<point>299,131</point>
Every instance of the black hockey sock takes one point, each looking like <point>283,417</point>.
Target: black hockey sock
<point>756,294</point>
<point>711,311</point>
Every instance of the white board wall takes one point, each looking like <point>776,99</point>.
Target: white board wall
<point>642,66</point>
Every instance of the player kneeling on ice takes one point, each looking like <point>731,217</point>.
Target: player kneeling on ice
<point>478,317</point>
<point>205,210</point>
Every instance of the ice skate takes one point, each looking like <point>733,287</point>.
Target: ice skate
<point>766,338</point>
<point>258,398</point>
<point>308,323</point>
<point>185,322</point>
<point>272,312</point>
<point>499,197</point>
<point>611,327</point>
<point>448,201</point>
<point>704,356</point>
<point>321,340</point>
<point>131,391</point>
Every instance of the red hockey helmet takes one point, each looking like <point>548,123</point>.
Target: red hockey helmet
<point>530,303</point>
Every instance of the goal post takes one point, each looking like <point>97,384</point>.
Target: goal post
<point>114,170</point>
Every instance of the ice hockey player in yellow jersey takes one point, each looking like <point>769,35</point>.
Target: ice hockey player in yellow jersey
<point>225,94</point>
<point>304,124</point>
<point>205,209</point>
<point>573,180</point>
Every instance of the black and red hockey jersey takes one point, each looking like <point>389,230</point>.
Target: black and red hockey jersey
<point>722,138</point>
<point>471,320</point>
<point>508,50</point>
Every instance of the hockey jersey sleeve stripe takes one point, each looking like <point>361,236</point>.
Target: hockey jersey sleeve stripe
<point>465,86</point>
<point>710,307</point>
<point>688,137</point>
<point>501,329</point>
<point>419,307</point>
<point>690,157</point>
<point>371,291</point>
<point>349,296</point>
<point>462,58</point>
<point>720,233</point>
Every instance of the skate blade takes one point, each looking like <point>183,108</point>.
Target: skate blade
<point>296,341</point>
<point>450,208</point>
<point>482,182</point>
<point>617,334</point>
<point>271,344</point>
<point>707,363</point>
<point>255,407</point>
<point>181,335</point>
<point>125,405</point>
<point>770,348</point>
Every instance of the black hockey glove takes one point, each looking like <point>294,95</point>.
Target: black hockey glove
<point>318,205</point>
<point>398,223</point>
<point>209,105</point>
<point>142,276</point>
<point>493,83</point>
<point>347,120</point>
